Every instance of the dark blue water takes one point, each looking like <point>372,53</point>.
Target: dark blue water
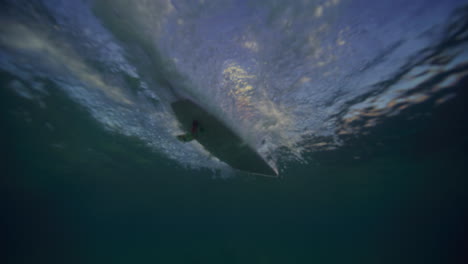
<point>79,194</point>
<point>372,168</point>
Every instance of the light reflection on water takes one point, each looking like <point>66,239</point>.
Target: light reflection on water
<point>276,75</point>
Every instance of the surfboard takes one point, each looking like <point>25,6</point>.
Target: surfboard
<point>219,140</point>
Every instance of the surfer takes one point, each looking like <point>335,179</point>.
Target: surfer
<point>193,132</point>
<point>194,128</point>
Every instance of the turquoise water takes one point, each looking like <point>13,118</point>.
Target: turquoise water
<point>369,139</point>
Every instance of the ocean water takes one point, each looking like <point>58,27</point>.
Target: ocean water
<point>359,105</point>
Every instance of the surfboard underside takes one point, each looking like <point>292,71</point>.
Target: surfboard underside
<point>220,141</point>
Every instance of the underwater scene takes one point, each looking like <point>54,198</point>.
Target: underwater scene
<point>234,131</point>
